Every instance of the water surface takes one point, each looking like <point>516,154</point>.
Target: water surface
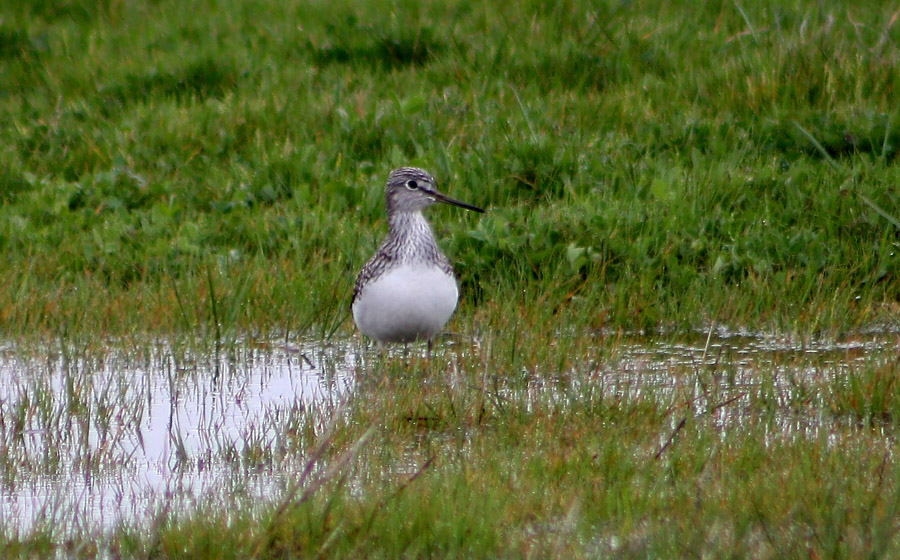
<point>94,440</point>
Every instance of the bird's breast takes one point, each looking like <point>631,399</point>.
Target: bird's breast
<point>405,303</point>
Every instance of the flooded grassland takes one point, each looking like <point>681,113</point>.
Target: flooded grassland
<point>92,442</point>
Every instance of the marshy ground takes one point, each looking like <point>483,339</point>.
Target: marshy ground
<point>151,450</point>
<point>678,328</point>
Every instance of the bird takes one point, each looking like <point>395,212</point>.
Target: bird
<point>407,291</point>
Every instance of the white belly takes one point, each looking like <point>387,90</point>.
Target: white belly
<point>405,304</point>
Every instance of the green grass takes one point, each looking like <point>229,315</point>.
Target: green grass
<point>422,462</point>
<point>206,170</point>
<point>747,452</point>
<point>735,166</point>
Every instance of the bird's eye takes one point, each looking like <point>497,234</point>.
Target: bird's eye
<point>412,185</point>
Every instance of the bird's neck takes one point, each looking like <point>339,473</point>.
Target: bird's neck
<point>410,235</point>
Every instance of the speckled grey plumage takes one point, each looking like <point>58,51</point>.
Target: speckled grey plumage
<point>409,240</point>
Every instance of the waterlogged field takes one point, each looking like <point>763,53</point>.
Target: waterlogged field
<point>726,443</point>
<point>101,439</point>
<point>678,328</point>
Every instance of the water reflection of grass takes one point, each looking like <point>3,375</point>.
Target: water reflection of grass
<point>640,447</point>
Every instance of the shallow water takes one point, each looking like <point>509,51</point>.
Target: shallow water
<point>143,433</point>
<point>723,371</point>
<point>90,442</point>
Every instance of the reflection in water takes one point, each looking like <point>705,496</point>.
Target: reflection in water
<point>94,442</point>
<point>722,373</point>
<point>88,442</point>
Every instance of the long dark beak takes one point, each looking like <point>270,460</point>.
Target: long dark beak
<point>447,200</point>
